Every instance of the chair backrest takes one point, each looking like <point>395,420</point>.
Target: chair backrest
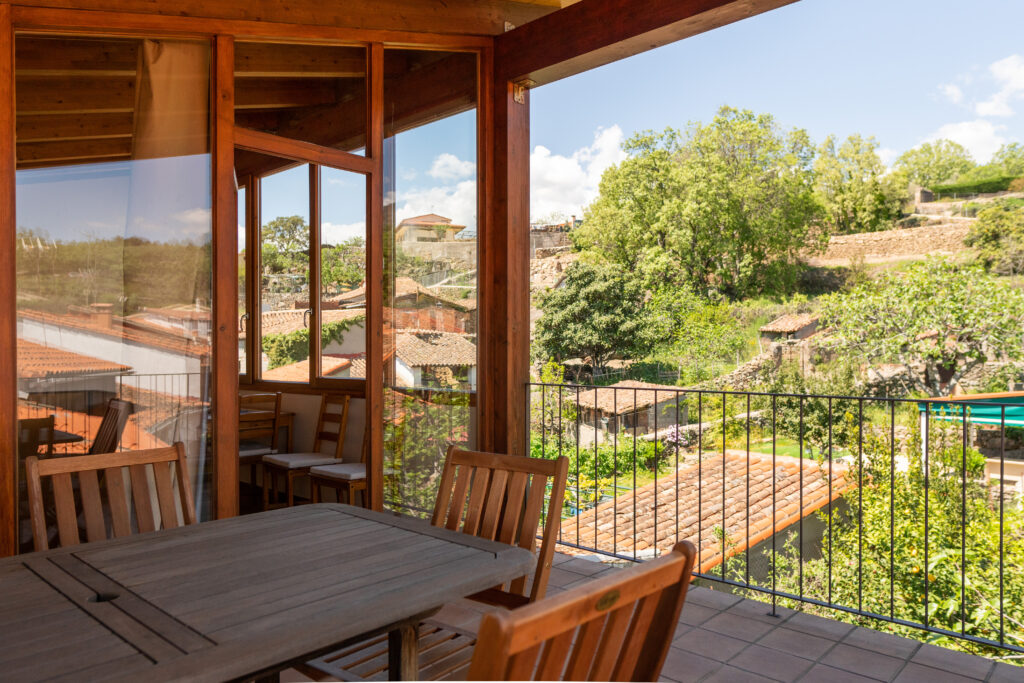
<point>501,497</point>
<point>34,432</point>
<point>108,436</point>
<point>333,410</point>
<point>167,464</point>
<point>258,417</point>
<point>617,628</point>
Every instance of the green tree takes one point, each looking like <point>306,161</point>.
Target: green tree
<point>932,163</point>
<point>597,313</point>
<point>998,236</point>
<point>855,191</point>
<point>948,318</point>
<point>726,206</point>
<point>694,331</point>
<point>1010,159</point>
<point>289,234</point>
<point>343,265</point>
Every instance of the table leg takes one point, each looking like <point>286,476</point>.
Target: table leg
<point>403,653</point>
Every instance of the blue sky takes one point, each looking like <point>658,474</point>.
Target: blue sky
<point>904,71</point>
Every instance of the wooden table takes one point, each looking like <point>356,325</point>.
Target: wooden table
<point>62,437</point>
<point>237,598</point>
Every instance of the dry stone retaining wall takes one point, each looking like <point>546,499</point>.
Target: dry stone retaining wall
<point>891,245</point>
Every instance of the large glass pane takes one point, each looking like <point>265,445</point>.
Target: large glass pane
<point>343,274</point>
<point>114,233</point>
<point>313,93</point>
<point>430,269</point>
<point>285,316</point>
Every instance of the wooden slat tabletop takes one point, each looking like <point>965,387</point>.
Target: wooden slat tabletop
<point>233,598</point>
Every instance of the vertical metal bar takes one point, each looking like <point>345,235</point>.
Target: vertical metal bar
<point>746,571</point>
<point>543,420</point>
<point>926,438</point>
<point>892,509</point>
<point>636,415</point>
<point>597,430</point>
<point>860,504</point>
<point>830,499</point>
<point>775,489</point>
<point>800,465</point>
<point>1002,466</point>
<point>678,446</point>
<point>654,541</point>
<point>963,523</point>
<point>579,508</point>
<point>615,473</point>
<point>561,434</point>
<point>725,544</point>
<point>700,476</point>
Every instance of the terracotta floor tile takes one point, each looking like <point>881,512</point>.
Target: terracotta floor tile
<point>775,664</point>
<point>710,644</point>
<point>797,643</point>
<point>956,662</point>
<point>863,662</point>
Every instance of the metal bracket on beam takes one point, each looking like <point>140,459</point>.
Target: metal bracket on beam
<point>519,89</point>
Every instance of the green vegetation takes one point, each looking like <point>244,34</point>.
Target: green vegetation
<point>948,316</point>
<point>998,237</point>
<point>997,184</point>
<point>854,190</point>
<point>291,347</point>
<point>934,163</point>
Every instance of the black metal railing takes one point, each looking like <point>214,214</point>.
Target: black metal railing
<point>902,510</point>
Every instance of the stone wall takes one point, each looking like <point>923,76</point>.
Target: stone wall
<point>462,253</point>
<point>892,245</point>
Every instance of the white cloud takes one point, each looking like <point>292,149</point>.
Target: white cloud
<point>952,92</point>
<point>457,202</point>
<point>336,233</point>
<point>887,155</point>
<point>981,138</point>
<point>447,167</point>
<point>563,185</point>
<point>1009,74</point>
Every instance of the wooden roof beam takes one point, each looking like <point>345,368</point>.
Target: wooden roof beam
<point>592,33</point>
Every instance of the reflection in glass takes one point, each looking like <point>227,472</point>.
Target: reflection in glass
<point>284,275</point>
<point>342,274</point>
<point>113,243</point>
<point>430,242</point>
<point>313,93</point>
<point>243,321</point>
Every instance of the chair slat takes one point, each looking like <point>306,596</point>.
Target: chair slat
<point>493,504</point>
<point>458,499</point>
<point>443,500</point>
<point>634,639</point>
<point>552,659</point>
<point>510,518</point>
<point>610,649</point>
<point>141,498</point>
<point>35,502</point>
<point>522,665</point>
<point>165,496</point>
<point>92,505</point>
<point>67,518</point>
<point>117,498</point>
<point>528,531</point>
<point>481,480</point>
<point>583,650</point>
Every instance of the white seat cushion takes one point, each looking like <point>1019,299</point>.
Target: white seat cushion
<point>294,461</point>
<point>346,471</point>
<point>250,451</point>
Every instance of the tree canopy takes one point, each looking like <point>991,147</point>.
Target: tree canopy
<point>946,316</point>
<point>935,162</point>
<point>855,190</point>
<point>727,206</point>
<point>998,236</point>
<point>289,234</point>
<point>597,313</point>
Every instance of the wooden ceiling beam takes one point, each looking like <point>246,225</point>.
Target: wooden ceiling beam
<point>465,17</point>
<point>41,56</point>
<point>50,127</point>
<point>45,153</point>
<point>298,61</point>
<point>74,94</point>
<point>592,33</point>
<point>276,93</point>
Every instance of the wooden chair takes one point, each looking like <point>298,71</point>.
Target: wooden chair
<point>347,478</point>
<point>498,497</point>
<point>258,421</point>
<point>108,436</point>
<point>167,464</point>
<point>34,433</point>
<point>294,465</point>
<point>617,628</point>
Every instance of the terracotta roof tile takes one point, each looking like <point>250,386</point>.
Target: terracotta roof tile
<point>425,348</point>
<point>329,365</point>
<point>116,329</point>
<point>627,396</point>
<point>792,322</point>
<point>615,519</point>
<point>36,361</point>
<point>283,322</point>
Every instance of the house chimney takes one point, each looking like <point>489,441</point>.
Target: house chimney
<point>102,315</point>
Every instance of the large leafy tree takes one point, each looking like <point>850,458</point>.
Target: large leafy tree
<point>725,206</point>
<point>945,317</point>
<point>998,235</point>
<point>1010,158</point>
<point>596,313</point>
<point>343,265</point>
<point>933,163</point>
<point>694,331</point>
<point>289,234</point>
<point>855,191</point>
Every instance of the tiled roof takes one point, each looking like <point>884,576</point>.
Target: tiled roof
<point>627,396</point>
<point>426,348</point>
<point>283,322</point>
<point>660,500</point>
<point>187,312</point>
<point>329,364</point>
<point>176,343</point>
<point>134,437</point>
<point>36,361</point>
<point>791,322</point>
<point>426,219</point>
<point>404,286</point>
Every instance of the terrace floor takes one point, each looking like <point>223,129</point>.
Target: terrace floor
<point>723,637</point>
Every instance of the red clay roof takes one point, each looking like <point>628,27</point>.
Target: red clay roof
<point>176,343</point>
<point>289,320</point>
<point>36,361</point>
<point>792,322</point>
<point>661,500</point>
<point>424,348</point>
<point>329,364</point>
<point>134,437</point>
<point>628,395</point>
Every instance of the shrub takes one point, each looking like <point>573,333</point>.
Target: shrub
<point>999,184</point>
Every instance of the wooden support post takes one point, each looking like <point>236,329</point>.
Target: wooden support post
<point>8,307</point>
<point>224,393</point>
<point>375,281</point>
<point>505,264</point>
<point>403,653</point>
